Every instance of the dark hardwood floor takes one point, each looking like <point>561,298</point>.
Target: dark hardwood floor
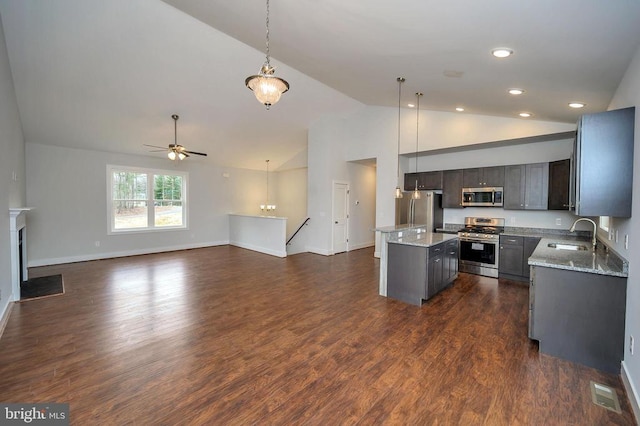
<point>223,335</point>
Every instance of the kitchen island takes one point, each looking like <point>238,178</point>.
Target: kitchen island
<point>386,233</point>
<point>420,264</point>
<point>577,298</point>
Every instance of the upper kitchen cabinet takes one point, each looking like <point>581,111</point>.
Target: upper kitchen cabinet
<point>452,189</point>
<point>426,181</point>
<point>526,187</point>
<point>559,173</point>
<point>483,176</point>
<point>602,175</point>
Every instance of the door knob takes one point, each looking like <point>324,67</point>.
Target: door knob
<point>336,222</point>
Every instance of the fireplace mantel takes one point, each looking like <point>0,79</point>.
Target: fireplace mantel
<point>17,223</point>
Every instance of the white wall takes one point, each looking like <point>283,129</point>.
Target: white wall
<point>628,94</point>
<point>12,163</point>
<point>362,209</point>
<point>290,195</point>
<point>67,189</point>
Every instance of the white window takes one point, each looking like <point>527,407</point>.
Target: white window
<point>146,199</point>
<point>604,223</point>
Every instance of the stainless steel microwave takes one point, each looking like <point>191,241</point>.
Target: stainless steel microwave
<point>488,196</point>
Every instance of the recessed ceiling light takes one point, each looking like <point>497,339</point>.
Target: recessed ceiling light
<point>411,105</point>
<point>576,104</point>
<point>459,109</point>
<point>502,52</point>
<point>525,114</point>
<point>515,91</point>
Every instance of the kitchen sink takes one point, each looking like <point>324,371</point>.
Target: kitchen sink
<point>566,246</point>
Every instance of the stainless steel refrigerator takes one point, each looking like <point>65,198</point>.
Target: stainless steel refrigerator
<point>427,210</point>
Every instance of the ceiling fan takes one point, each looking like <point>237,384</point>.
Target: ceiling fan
<point>175,151</point>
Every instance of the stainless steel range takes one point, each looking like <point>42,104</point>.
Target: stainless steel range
<point>479,245</point>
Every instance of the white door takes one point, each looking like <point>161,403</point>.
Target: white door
<point>340,216</point>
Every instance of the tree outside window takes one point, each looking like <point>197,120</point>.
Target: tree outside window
<point>133,191</point>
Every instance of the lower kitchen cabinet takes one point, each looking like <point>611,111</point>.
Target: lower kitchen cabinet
<point>514,254</point>
<point>450,268</point>
<point>578,316</point>
<point>416,273</point>
<point>435,270</point>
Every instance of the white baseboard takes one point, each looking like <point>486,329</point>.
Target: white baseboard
<point>259,249</point>
<point>109,255</point>
<point>316,250</point>
<point>632,392</point>
<point>4,318</point>
<point>361,245</point>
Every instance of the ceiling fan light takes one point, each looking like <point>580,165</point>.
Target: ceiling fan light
<point>172,155</point>
<point>181,156</point>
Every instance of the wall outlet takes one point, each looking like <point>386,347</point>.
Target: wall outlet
<point>626,242</point>
<point>558,221</point>
<point>631,344</point>
<point>97,243</point>
<point>616,235</point>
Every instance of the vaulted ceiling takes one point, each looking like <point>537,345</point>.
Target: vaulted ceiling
<point>108,74</point>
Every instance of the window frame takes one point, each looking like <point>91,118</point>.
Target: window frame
<point>151,173</point>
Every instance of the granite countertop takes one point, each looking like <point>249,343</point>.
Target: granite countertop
<point>601,261</point>
<point>422,239</point>
<point>396,228</point>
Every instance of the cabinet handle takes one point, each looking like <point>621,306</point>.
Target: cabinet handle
<point>437,260</point>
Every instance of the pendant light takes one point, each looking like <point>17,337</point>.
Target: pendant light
<point>400,80</point>
<point>267,87</point>
<point>416,193</point>
<point>267,207</point>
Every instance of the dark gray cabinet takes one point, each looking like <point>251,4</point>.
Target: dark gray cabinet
<point>514,187</point>
<point>511,256</point>
<point>514,255</point>
<point>483,176</point>
<point>425,181</point>
<point>450,268</point>
<point>417,273</point>
<point>578,316</point>
<point>603,164</point>
<point>559,173</point>
<point>526,187</point>
<point>452,189</point>
<point>435,270</point>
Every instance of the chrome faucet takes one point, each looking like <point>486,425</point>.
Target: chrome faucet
<point>595,228</point>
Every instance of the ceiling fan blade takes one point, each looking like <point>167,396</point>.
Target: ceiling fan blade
<point>158,150</point>
<point>155,146</point>
<point>195,153</point>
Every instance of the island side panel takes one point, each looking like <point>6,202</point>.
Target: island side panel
<point>406,272</point>
<point>580,316</point>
